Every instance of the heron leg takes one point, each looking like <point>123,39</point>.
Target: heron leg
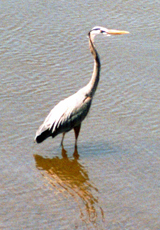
<point>76,132</point>
<point>62,139</point>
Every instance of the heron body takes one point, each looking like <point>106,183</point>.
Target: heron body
<point>69,113</point>
<point>75,109</point>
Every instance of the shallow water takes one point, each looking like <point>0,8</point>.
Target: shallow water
<point>44,58</point>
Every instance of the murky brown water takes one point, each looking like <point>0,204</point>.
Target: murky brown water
<point>44,58</point>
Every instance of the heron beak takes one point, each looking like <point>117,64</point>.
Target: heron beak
<point>117,32</point>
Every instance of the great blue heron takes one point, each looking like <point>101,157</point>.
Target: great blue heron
<point>69,113</point>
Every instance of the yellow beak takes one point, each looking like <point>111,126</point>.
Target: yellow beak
<point>117,32</point>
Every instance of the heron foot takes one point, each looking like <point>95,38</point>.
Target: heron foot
<point>64,152</point>
<point>75,154</point>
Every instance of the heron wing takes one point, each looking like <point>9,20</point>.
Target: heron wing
<point>74,113</point>
<point>66,114</point>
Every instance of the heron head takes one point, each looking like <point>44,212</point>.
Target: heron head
<point>102,30</point>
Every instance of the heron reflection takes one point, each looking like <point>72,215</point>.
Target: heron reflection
<point>67,175</point>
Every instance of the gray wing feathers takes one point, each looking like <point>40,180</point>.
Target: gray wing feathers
<point>66,114</point>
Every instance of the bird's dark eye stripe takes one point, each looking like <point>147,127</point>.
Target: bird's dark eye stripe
<point>97,29</point>
<point>102,31</point>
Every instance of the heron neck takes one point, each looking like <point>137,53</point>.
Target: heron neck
<point>93,83</point>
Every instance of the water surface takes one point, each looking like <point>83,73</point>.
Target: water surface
<point>44,58</point>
